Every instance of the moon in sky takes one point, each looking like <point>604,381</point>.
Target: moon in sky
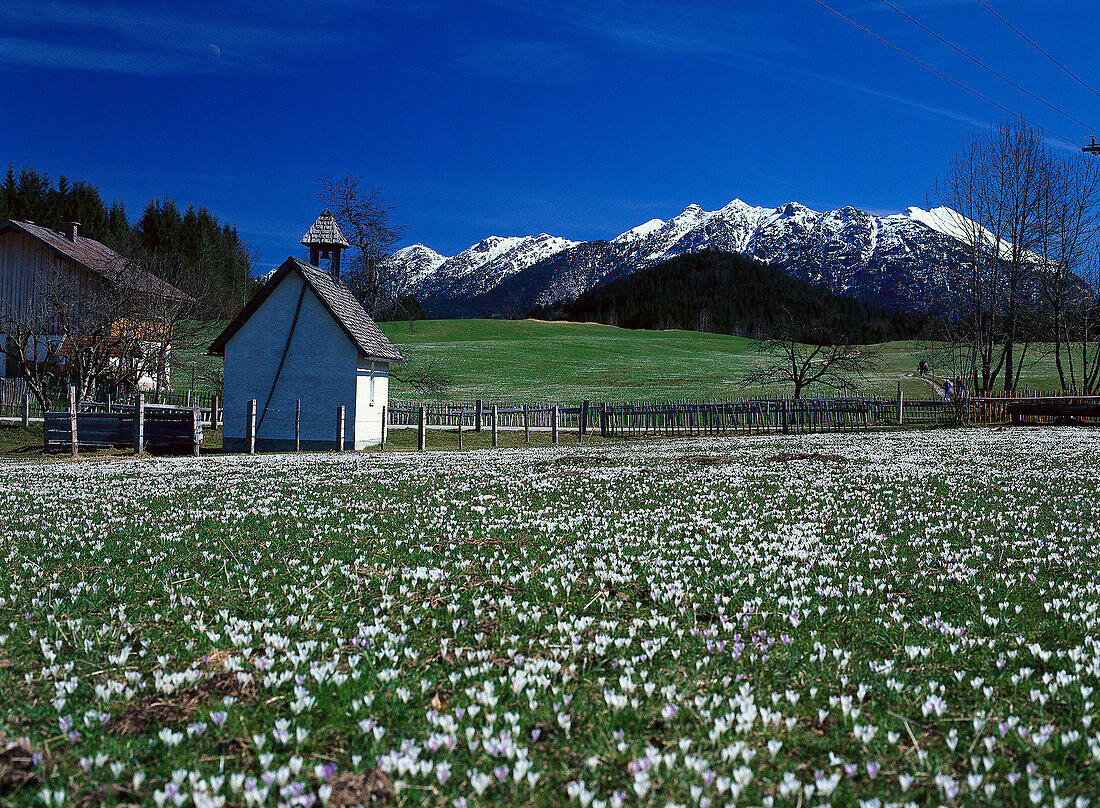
<point>214,49</point>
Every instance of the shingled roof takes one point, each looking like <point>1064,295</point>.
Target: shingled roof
<point>98,259</point>
<point>325,231</point>
<point>335,297</point>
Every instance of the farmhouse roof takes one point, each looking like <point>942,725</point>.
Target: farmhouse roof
<point>325,231</point>
<point>98,259</point>
<point>337,300</point>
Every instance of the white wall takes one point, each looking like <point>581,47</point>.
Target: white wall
<point>321,368</point>
<point>368,409</point>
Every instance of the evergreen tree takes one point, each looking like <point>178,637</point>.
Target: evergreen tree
<point>9,194</point>
<point>118,233</point>
<point>192,250</point>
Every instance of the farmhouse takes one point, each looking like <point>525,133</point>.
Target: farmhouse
<point>303,347</point>
<point>50,280</point>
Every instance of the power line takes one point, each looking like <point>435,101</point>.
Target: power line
<point>1028,41</point>
<point>986,67</point>
<point>944,76</point>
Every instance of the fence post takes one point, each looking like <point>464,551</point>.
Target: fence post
<point>250,426</point>
<point>901,406</point>
<point>422,430</point>
<point>603,419</point>
<point>298,425</point>
<point>139,423</point>
<point>461,416</point>
<point>584,417</point>
<point>786,423</point>
<point>526,424</point>
<point>493,423</point>
<point>340,428</point>
<point>214,412</point>
<point>72,420</point>
<point>26,410</point>
<point>477,415</point>
<point>196,428</point>
<point>554,424</point>
<point>385,416</point>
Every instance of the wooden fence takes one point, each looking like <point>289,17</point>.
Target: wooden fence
<point>734,416</point>
<point>751,415</point>
<point>16,402</point>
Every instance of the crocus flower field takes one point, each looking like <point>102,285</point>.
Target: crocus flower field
<point>901,618</point>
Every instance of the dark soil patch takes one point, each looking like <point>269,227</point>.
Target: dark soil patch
<point>790,457</point>
<point>583,460</point>
<point>16,767</point>
<point>541,732</point>
<point>440,700</point>
<point>116,792</point>
<point>707,460</point>
<point>372,787</point>
<point>632,593</point>
<point>237,748</point>
<point>150,712</point>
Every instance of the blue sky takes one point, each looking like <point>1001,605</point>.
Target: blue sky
<point>581,118</point>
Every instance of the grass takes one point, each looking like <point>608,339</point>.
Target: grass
<point>531,360</point>
<point>14,440</point>
<point>775,620</point>
<point>17,443</point>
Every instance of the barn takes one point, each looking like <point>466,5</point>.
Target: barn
<point>40,267</point>
<point>305,338</point>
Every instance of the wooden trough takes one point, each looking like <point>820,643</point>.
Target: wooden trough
<point>163,427</point>
<point>1054,410</point>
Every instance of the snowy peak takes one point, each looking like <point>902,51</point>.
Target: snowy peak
<point>942,220</point>
<point>639,232</point>
<point>478,268</point>
<point>893,259</point>
<point>419,261</point>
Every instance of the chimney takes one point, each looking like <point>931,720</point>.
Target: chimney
<point>71,228</point>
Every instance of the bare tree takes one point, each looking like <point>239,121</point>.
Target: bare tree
<point>107,332</point>
<point>1071,216</point>
<point>427,378</point>
<point>999,188</point>
<point>815,353</point>
<point>364,218</point>
<point>1083,327</point>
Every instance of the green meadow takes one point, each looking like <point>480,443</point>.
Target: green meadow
<point>533,360</point>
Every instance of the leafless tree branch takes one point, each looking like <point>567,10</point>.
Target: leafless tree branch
<point>365,219</point>
<point>806,354</point>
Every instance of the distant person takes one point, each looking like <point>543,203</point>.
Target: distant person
<point>947,388</point>
<point>922,368</point>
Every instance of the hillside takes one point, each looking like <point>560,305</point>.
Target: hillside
<point>895,261</point>
<point>532,360</point>
<point>728,293</point>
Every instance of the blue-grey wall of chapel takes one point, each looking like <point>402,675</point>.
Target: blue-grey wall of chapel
<point>320,368</point>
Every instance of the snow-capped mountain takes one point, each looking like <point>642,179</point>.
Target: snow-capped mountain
<point>477,269</point>
<point>894,260</point>
<point>418,263</point>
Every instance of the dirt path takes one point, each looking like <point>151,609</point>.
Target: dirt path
<point>937,386</point>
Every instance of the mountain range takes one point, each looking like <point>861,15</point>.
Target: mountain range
<point>892,260</point>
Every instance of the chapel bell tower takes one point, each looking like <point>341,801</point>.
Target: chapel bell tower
<point>325,240</point>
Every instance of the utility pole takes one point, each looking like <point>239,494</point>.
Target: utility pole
<point>1091,148</point>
